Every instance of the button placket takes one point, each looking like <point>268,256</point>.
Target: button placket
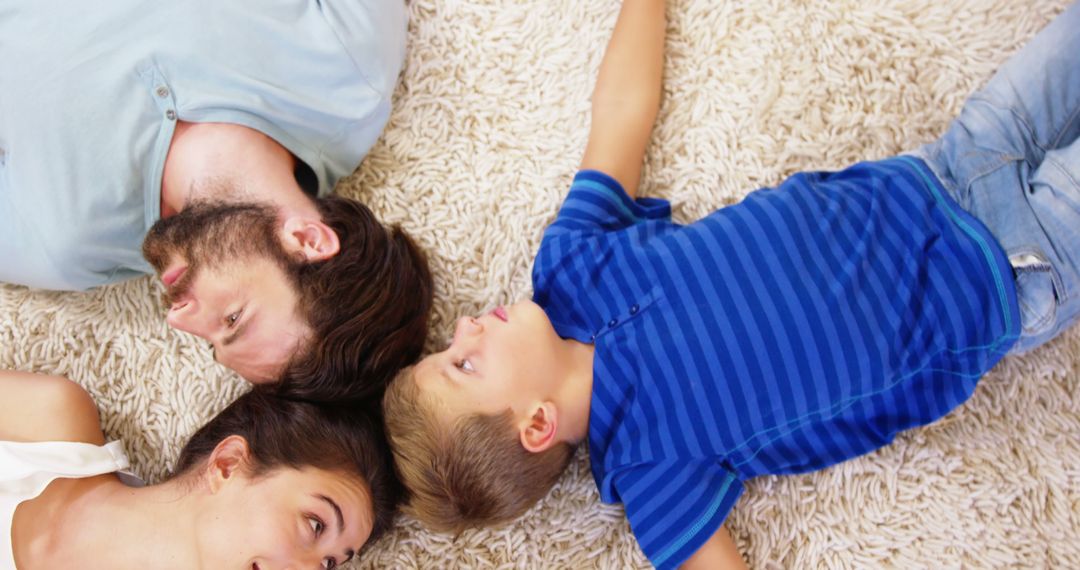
<point>162,94</point>
<point>629,313</point>
<point>614,322</point>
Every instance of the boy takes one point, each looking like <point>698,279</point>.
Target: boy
<point>806,325</point>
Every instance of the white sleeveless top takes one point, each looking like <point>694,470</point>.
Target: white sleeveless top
<point>26,468</point>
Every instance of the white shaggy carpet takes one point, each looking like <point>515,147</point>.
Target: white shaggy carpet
<point>489,125</point>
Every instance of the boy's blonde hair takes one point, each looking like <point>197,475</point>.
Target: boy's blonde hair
<point>473,472</point>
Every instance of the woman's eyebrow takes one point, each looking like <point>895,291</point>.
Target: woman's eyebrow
<point>337,512</point>
<point>349,553</point>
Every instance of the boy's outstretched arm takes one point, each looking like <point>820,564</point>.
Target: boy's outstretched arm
<point>719,552</point>
<point>626,98</point>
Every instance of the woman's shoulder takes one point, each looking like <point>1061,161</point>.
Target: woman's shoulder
<point>38,407</point>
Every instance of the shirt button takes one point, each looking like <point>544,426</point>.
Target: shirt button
<point>634,309</point>
<point>170,115</point>
<point>592,338</point>
<point>162,91</point>
<point>613,322</point>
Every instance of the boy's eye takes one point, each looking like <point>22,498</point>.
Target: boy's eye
<point>316,525</point>
<point>464,365</point>
<point>232,318</point>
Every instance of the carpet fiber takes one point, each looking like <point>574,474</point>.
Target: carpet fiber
<point>489,124</point>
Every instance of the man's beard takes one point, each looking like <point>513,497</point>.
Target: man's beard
<point>208,234</point>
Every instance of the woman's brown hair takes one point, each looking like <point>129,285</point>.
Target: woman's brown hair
<point>283,432</point>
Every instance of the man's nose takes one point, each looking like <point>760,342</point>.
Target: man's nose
<point>185,316</point>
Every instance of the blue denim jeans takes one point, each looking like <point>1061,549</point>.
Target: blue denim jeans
<point>1012,159</point>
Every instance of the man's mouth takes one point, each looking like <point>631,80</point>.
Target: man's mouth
<point>170,276</point>
<point>501,314</point>
<point>178,282</point>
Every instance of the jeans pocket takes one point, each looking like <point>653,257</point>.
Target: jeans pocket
<point>1036,291</point>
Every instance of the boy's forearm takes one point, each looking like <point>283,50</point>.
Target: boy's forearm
<point>626,98</point>
<point>633,64</point>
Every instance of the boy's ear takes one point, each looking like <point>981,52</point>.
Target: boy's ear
<point>311,238</point>
<point>227,461</point>
<point>537,432</point>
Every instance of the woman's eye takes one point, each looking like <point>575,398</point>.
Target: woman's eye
<point>316,526</point>
<point>329,563</point>
<point>464,365</point>
<point>232,318</point>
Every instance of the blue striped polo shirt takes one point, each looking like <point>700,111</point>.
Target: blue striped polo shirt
<point>804,326</point>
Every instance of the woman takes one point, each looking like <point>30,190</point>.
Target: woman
<point>268,483</point>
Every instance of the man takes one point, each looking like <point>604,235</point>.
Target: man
<point>216,130</point>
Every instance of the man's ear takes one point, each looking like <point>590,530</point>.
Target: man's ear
<point>227,461</point>
<point>311,238</point>
<point>537,432</point>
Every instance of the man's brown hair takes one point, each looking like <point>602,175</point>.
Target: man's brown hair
<point>367,307</point>
<point>471,473</point>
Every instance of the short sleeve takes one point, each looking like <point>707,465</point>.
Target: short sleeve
<point>598,203</point>
<point>576,247</point>
<point>675,507</point>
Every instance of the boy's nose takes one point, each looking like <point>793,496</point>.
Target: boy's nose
<point>467,326</point>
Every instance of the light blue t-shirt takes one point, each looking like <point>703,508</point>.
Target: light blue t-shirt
<point>90,93</point>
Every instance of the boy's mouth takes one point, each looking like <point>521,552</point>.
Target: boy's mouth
<point>500,313</point>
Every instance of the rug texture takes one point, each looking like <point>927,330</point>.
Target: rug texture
<point>489,124</point>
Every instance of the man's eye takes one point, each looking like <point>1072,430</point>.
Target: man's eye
<point>316,525</point>
<point>464,365</point>
<point>232,318</point>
